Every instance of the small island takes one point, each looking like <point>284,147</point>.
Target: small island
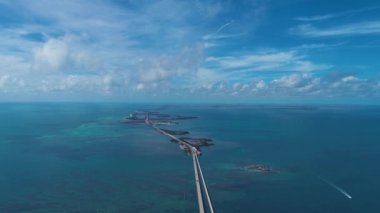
<point>157,119</point>
<point>260,168</point>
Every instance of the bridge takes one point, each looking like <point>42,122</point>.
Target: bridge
<point>200,181</point>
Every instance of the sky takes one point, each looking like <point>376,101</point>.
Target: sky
<point>259,51</point>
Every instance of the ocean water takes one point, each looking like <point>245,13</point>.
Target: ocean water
<point>57,157</point>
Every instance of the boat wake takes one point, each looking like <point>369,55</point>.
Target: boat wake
<point>335,187</point>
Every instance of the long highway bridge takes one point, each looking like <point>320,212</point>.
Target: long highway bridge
<point>199,178</point>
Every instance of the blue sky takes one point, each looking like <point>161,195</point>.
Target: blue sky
<point>304,51</point>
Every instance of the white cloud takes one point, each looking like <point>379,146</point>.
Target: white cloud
<point>334,15</point>
<point>3,80</point>
<point>140,87</point>
<point>257,59</point>
<point>224,26</point>
<point>166,66</point>
<point>361,28</point>
<point>219,36</point>
<point>65,54</point>
<point>316,18</point>
<point>268,61</point>
<point>53,55</point>
<point>307,66</point>
<point>300,85</point>
<point>99,48</point>
<point>260,85</point>
<point>318,46</point>
<point>13,64</point>
<point>207,76</point>
<point>349,78</point>
<point>86,40</point>
<point>289,81</point>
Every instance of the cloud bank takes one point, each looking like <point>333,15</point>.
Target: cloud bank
<point>133,50</point>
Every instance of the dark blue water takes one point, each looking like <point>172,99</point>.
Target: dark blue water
<point>81,158</point>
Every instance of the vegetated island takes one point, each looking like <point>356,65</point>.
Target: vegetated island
<point>158,119</point>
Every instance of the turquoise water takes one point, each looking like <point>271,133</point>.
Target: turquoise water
<point>81,158</point>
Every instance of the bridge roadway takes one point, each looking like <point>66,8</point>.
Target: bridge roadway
<point>197,167</point>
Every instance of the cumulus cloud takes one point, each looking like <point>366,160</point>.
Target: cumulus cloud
<point>64,54</point>
<point>84,41</point>
<point>53,55</point>
<point>297,85</point>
